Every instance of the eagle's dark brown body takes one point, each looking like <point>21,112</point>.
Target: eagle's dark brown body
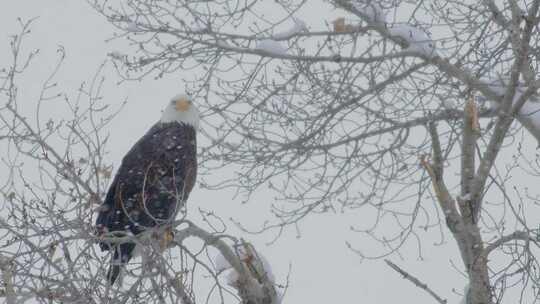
<point>151,185</point>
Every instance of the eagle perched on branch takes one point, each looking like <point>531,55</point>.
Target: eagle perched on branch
<point>152,183</point>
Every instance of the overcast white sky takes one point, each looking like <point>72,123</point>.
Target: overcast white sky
<point>323,269</point>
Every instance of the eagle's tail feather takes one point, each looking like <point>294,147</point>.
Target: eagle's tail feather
<point>122,255</point>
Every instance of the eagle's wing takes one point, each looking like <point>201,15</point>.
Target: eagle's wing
<point>156,175</point>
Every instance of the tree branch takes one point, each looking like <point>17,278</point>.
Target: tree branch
<point>415,281</point>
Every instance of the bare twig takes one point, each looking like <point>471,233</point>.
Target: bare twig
<point>415,281</point>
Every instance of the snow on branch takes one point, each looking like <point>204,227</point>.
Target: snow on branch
<point>529,113</point>
<point>416,39</point>
<point>249,272</point>
<point>271,47</point>
<point>371,10</point>
<point>256,264</point>
<point>298,27</point>
<point>246,253</point>
<point>412,38</point>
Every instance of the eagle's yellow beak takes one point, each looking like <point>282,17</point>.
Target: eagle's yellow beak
<point>182,104</point>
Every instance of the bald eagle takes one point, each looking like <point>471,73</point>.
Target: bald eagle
<point>153,182</point>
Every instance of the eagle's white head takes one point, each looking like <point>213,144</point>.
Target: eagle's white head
<point>182,110</point>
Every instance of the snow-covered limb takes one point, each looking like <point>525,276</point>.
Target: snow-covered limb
<point>274,49</point>
<point>528,115</point>
<point>257,266</point>
<point>371,10</point>
<point>271,46</point>
<point>247,254</point>
<point>221,263</point>
<point>251,275</point>
<point>298,27</point>
<point>410,37</point>
<point>417,39</point>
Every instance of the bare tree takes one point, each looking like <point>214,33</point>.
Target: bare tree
<point>372,105</point>
<point>56,171</point>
